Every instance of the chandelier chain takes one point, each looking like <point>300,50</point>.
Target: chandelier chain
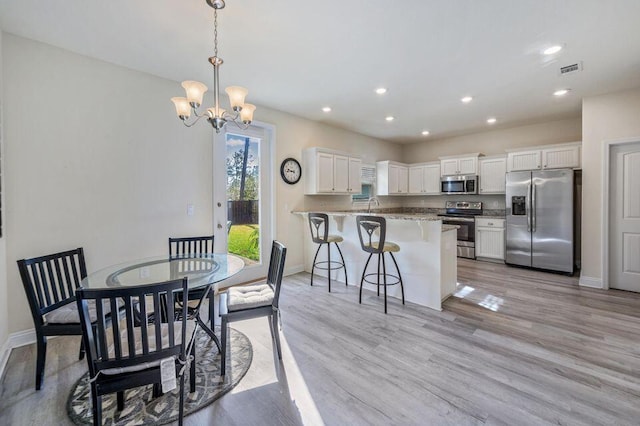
<point>215,32</point>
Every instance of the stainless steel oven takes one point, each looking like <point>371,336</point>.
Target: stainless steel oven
<point>462,214</point>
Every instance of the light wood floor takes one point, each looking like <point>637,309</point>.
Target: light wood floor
<point>513,347</point>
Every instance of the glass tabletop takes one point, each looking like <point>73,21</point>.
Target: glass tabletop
<point>201,270</point>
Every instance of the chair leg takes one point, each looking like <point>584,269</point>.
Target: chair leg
<point>276,334</point>
<point>364,272</point>
<point>96,407</point>
<point>192,370</point>
<point>223,345</point>
<point>329,265</point>
<point>81,355</point>
<point>42,354</point>
<point>157,390</point>
<point>379,274</point>
<point>212,309</point>
<point>181,408</point>
<point>399,276</point>
<point>120,400</point>
<point>384,277</point>
<point>344,265</point>
<point>313,265</point>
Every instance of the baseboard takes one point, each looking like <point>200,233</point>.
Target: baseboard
<point>590,282</point>
<point>294,270</point>
<point>15,340</point>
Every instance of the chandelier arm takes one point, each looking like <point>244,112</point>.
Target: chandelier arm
<point>198,117</point>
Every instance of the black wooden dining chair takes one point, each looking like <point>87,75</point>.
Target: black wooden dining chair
<point>246,302</point>
<point>192,247</point>
<point>124,356</point>
<point>50,283</point>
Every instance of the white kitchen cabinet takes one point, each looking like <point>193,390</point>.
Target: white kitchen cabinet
<point>492,175</point>
<point>459,165</point>
<point>424,179</point>
<point>490,238</point>
<point>330,172</point>
<point>392,178</point>
<point>564,156</point>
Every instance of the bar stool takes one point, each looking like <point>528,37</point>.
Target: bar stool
<point>319,226</point>
<point>371,225</point>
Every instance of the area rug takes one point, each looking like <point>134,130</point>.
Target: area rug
<point>141,408</point>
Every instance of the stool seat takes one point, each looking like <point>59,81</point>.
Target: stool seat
<point>388,246</point>
<point>334,239</point>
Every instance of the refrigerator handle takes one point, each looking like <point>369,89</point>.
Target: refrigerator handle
<point>533,207</point>
<point>528,207</point>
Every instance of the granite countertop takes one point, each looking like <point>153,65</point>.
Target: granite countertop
<point>388,215</point>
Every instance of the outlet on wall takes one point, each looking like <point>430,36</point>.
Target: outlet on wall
<point>190,209</point>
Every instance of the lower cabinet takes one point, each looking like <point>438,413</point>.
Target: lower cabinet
<point>490,242</point>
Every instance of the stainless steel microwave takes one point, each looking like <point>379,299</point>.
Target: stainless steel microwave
<point>459,184</point>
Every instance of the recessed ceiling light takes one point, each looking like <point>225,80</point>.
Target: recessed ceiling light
<point>425,133</point>
<point>326,109</point>
<point>552,50</point>
<point>381,90</point>
<point>561,92</point>
<point>491,120</point>
<point>390,118</point>
<point>466,99</point>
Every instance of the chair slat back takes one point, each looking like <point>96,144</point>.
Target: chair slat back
<point>367,227</point>
<point>276,270</point>
<point>319,226</point>
<point>132,337</point>
<point>50,281</point>
<point>190,246</point>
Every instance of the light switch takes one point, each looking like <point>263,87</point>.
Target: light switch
<point>190,209</point>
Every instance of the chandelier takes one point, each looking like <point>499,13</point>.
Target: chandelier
<point>242,112</point>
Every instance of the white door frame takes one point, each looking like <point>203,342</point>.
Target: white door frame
<point>270,134</point>
<point>606,185</point>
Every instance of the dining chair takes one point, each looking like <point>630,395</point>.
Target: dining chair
<point>50,283</point>
<point>246,302</point>
<point>194,246</point>
<point>123,355</point>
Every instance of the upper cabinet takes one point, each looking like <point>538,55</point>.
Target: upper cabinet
<point>424,179</point>
<point>392,178</point>
<point>330,172</point>
<point>492,171</point>
<point>565,156</point>
<point>459,165</point>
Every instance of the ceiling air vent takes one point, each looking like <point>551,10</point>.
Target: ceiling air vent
<point>571,68</point>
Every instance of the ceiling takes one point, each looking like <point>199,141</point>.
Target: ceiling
<point>299,56</point>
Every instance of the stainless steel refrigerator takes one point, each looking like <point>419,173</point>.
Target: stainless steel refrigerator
<point>539,209</point>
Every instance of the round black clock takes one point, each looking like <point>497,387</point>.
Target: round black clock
<point>290,170</point>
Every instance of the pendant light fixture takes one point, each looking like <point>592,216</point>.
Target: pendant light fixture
<point>242,112</point>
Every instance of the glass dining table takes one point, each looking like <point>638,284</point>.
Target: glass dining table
<point>202,270</point>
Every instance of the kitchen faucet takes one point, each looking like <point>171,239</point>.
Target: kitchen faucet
<point>377,202</point>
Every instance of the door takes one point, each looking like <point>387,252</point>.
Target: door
<point>340,173</point>
<point>561,158</point>
<point>525,160</point>
<point>325,172</point>
<point>355,175</point>
<point>403,180</point>
<point>624,217</point>
<point>243,199</point>
<point>393,179</point>
<point>490,242</point>
<point>517,203</point>
<point>431,176</point>
<point>492,175</point>
<point>449,167</point>
<point>552,220</point>
<point>416,179</point>
<point>468,166</point>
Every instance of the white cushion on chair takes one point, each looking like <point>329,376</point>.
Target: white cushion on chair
<point>68,314</point>
<point>247,297</point>
<point>137,333</point>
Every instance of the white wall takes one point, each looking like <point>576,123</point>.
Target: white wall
<point>94,158</point>
<point>605,118</point>
<point>4,318</point>
<point>496,141</point>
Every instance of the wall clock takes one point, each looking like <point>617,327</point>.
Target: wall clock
<point>290,171</point>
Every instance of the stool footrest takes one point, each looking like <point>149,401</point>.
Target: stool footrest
<point>374,274</point>
<point>334,264</point>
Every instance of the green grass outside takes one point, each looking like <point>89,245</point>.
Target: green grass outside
<point>244,240</point>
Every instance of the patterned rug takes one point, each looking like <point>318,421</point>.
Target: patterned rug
<point>141,409</point>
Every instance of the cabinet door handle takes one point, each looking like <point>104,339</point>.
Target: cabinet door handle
<point>490,223</point>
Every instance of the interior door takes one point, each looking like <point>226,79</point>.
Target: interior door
<point>624,217</point>
<point>243,199</point>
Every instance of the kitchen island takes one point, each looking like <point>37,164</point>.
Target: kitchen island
<point>427,257</point>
